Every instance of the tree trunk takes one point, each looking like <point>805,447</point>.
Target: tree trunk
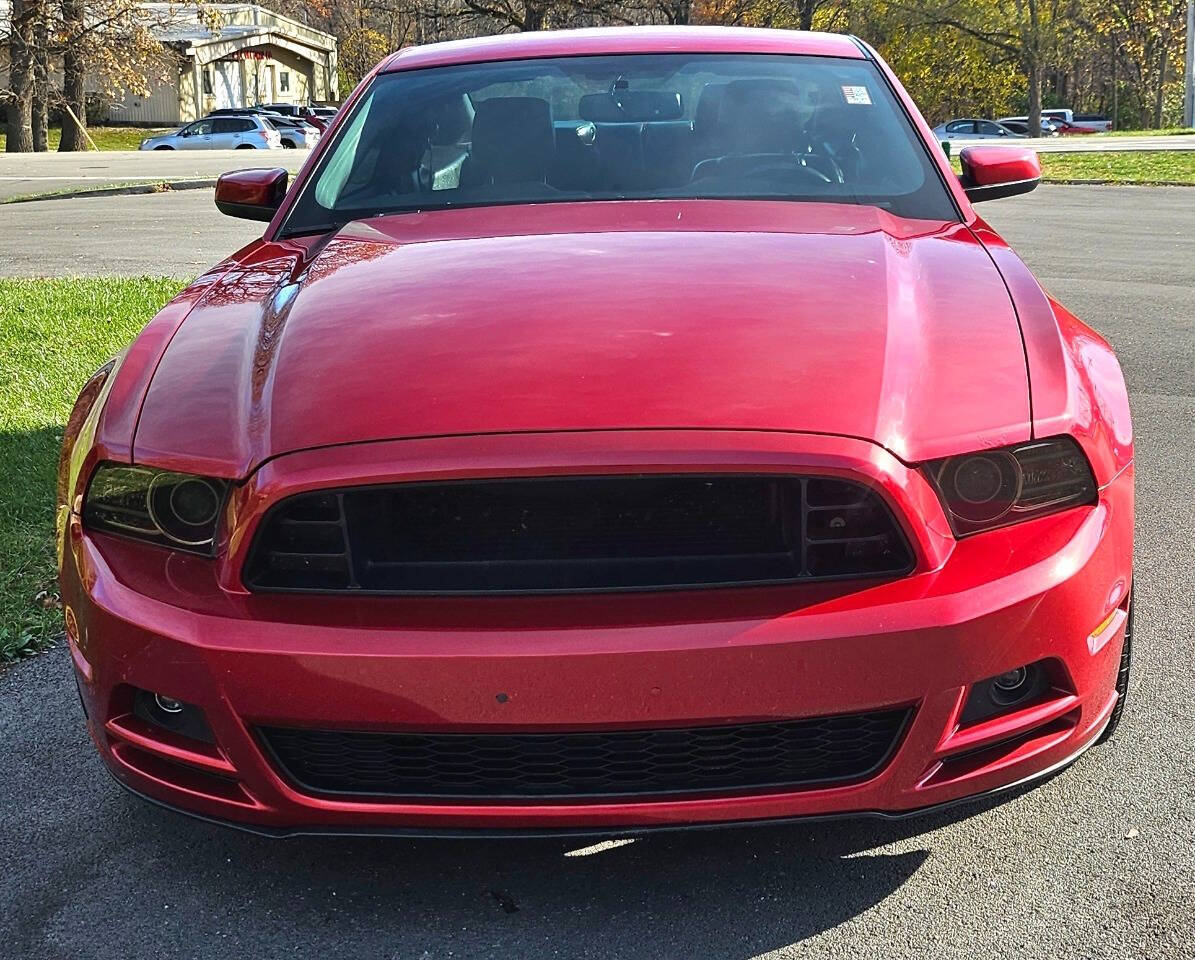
<point>533,17</point>
<point>805,11</point>
<point>20,103</point>
<point>40,119</point>
<point>1034,71</point>
<point>73,78</point>
<point>1160,97</point>
<point>1115,85</point>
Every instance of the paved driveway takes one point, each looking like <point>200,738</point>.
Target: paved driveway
<point>171,234</point>
<point>1098,862</point>
<point>26,173</point>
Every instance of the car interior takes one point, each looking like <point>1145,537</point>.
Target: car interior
<point>543,137</point>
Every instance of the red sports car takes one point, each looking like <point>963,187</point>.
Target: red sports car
<point>612,429</point>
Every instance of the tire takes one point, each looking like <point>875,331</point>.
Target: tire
<point>246,146</point>
<point>163,147</point>
<point>288,145</point>
<point>1122,676</point>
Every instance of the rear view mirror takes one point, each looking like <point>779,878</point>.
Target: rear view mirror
<point>251,194</point>
<point>631,106</point>
<point>990,173</point>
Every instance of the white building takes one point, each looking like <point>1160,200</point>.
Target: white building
<point>254,56</point>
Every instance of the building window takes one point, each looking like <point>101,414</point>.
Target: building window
<point>284,81</point>
<point>207,81</point>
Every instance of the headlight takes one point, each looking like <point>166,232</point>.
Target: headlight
<point>176,510</point>
<point>993,488</point>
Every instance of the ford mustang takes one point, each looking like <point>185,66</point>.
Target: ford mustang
<point>612,429</point>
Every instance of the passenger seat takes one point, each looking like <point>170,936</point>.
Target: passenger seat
<point>513,143</point>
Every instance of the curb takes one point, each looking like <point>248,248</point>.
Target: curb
<point>156,186</point>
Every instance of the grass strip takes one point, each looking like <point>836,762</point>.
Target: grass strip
<point>53,335</point>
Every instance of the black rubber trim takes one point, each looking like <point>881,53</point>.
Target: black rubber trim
<point>1007,792</point>
<point>997,191</point>
<point>246,211</point>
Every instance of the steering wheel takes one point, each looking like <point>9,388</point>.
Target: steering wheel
<point>782,168</point>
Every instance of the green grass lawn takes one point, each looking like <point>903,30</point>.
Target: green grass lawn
<point>106,138</point>
<point>1165,132</point>
<point>1128,166</point>
<point>53,335</point>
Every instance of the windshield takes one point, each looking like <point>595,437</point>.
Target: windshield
<point>624,127</point>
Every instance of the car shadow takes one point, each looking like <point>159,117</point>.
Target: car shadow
<point>163,884</point>
<point>734,892</point>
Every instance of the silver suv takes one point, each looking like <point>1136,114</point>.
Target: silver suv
<point>244,132</point>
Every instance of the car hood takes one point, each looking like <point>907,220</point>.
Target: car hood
<point>699,314</point>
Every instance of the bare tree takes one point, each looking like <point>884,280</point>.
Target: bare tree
<point>74,79</point>
<point>40,70</point>
<point>18,99</point>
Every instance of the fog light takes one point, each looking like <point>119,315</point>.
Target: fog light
<point>1005,692</point>
<point>178,717</point>
<point>1009,687</point>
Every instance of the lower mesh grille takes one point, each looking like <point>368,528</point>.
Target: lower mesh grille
<point>576,534</point>
<point>754,756</point>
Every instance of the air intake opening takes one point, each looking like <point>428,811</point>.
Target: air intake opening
<point>577,534</point>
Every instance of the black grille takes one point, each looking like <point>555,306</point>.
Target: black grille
<point>576,534</point>
<point>612,763</point>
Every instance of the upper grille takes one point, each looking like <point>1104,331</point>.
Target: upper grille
<point>574,534</point>
<point>752,756</point>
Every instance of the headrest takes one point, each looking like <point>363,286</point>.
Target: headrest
<point>709,104</point>
<point>760,115</point>
<point>513,139</point>
<point>631,106</point>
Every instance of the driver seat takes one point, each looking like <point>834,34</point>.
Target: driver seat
<point>757,119</point>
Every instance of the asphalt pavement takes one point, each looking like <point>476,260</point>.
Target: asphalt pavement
<point>1097,862</point>
<point>176,234</point>
<point>22,174</point>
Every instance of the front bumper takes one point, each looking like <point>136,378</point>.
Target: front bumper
<point>1054,589</point>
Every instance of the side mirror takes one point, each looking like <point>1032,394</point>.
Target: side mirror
<point>251,194</point>
<point>990,173</point>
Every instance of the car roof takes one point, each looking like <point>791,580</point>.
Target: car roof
<point>609,40</point>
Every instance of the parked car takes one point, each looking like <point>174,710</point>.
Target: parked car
<point>1020,125</point>
<point>498,486</point>
<point>1055,126</point>
<point>971,129</point>
<point>1092,122</point>
<point>299,111</point>
<point>245,132</point>
<point>241,111</point>
<point>295,133</point>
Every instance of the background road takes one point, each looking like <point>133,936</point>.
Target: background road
<point>1098,862</point>
<point>22,174</point>
<point>168,234</point>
